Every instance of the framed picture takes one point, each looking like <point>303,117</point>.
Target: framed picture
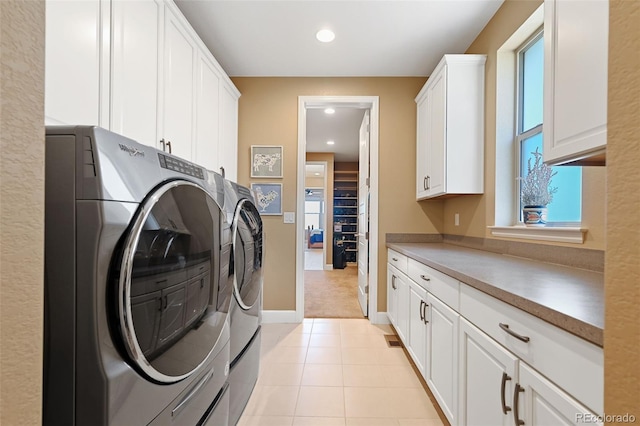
<point>268,198</point>
<point>266,161</point>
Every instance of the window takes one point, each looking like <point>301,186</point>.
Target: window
<point>567,201</point>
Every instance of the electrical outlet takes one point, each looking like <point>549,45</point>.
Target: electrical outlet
<point>456,219</point>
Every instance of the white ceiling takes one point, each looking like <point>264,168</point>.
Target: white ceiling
<point>342,127</point>
<point>373,38</point>
<point>276,38</point>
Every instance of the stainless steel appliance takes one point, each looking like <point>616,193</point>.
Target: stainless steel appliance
<point>246,306</point>
<point>136,302</point>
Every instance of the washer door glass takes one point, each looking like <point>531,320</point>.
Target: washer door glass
<point>168,285</point>
<point>247,253</point>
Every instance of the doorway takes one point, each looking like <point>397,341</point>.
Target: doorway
<point>315,217</point>
<point>332,236</point>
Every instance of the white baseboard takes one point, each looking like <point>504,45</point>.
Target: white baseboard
<point>279,317</point>
<point>380,318</point>
<point>328,267</point>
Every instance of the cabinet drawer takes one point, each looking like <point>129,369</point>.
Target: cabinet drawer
<point>440,285</point>
<point>572,363</point>
<point>398,260</point>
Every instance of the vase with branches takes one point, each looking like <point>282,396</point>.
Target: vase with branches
<point>536,191</point>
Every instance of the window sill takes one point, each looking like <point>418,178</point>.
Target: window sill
<point>562,234</point>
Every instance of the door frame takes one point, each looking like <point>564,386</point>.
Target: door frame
<point>361,102</point>
<point>324,216</point>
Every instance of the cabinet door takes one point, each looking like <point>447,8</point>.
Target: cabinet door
<point>229,132</point>
<point>442,356</point>
<point>207,115</point>
<point>402,314</point>
<point>541,403</point>
<point>575,80</point>
<point>76,55</point>
<point>392,295</point>
<point>488,374</point>
<point>178,104</point>
<point>417,345</point>
<point>436,133</point>
<point>134,79</point>
<point>421,150</point>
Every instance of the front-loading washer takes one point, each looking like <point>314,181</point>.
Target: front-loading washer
<point>246,266</point>
<point>136,307</point>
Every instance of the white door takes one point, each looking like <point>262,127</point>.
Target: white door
<point>488,374</point>
<point>363,216</point>
<point>540,403</point>
<point>179,78</point>
<point>442,356</point>
<point>207,115</point>
<point>134,78</point>
<point>417,346</point>
<point>437,134</point>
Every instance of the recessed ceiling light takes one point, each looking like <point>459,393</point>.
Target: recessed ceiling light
<point>330,142</point>
<point>329,110</point>
<point>325,36</point>
<point>317,174</point>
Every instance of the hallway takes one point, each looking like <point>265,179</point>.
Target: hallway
<point>332,293</point>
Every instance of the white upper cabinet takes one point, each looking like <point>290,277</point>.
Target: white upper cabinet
<point>450,129</point>
<point>139,69</point>
<point>207,114</point>
<point>136,35</point>
<point>575,80</point>
<point>180,52</point>
<point>228,153</point>
<point>76,60</point>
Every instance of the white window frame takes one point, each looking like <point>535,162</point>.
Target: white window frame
<point>507,194</point>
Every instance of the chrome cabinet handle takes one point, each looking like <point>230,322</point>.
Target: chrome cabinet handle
<point>421,310</point>
<point>503,384</point>
<point>163,143</point>
<point>516,414</point>
<point>424,183</point>
<point>393,282</point>
<point>222,171</point>
<point>424,315</point>
<point>428,182</point>
<point>169,146</point>
<point>424,277</point>
<point>506,328</point>
<point>395,259</point>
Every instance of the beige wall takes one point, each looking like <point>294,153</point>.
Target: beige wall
<point>478,211</point>
<point>328,232</point>
<point>622,270</point>
<point>21,210</point>
<point>268,114</point>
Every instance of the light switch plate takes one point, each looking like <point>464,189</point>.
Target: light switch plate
<point>289,217</point>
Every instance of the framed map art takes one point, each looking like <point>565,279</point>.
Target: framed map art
<point>266,161</point>
<point>268,198</point>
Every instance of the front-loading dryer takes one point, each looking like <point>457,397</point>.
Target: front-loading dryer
<point>136,307</point>
<point>246,266</point>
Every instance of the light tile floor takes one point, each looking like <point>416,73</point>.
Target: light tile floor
<point>335,372</point>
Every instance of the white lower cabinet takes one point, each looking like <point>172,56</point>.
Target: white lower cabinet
<point>488,373</point>
<point>488,363</point>
<point>442,356</point>
<point>417,338</point>
<point>398,302</point>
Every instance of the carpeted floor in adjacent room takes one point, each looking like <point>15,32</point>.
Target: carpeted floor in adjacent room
<point>332,294</point>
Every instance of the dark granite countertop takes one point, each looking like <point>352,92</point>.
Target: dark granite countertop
<point>569,298</point>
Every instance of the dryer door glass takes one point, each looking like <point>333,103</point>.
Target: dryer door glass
<point>168,285</point>
<point>247,253</point>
